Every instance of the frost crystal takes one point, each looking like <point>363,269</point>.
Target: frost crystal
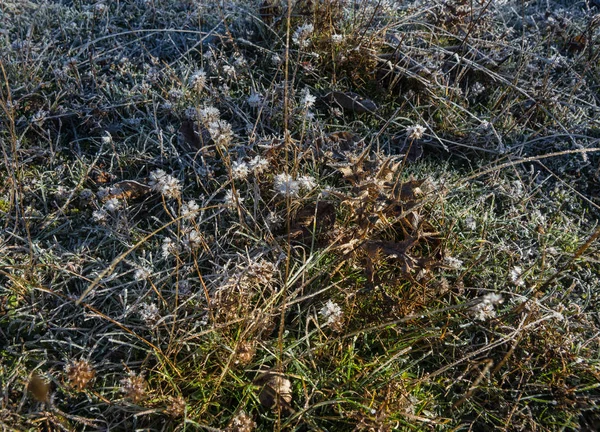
<point>337,38</point>
<point>100,216</point>
<point>308,100</point>
<point>307,182</point>
<point>112,205</point>
<point>141,274</point>
<point>254,100</point>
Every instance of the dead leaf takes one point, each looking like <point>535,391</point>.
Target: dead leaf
<point>39,388</point>
<point>313,221</point>
<point>577,43</point>
<point>350,101</point>
<point>128,190</point>
<point>336,145</point>
<point>97,176</point>
<point>276,390</point>
<point>409,191</point>
<point>269,10</point>
<point>413,149</point>
<point>194,136</point>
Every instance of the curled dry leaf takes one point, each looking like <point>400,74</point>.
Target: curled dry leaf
<point>350,101</point>
<point>313,220</point>
<point>129,190</point>
<point>413,149</point>
<point>194,137</point>
<point>270,10</point>
<point>276,390</point>
<point>39,388</point>
<point>98,176</point>
<point>336,145</point>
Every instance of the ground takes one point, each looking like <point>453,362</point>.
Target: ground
<point>309,215</point>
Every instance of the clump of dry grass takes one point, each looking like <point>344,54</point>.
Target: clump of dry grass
<point>308,215</point>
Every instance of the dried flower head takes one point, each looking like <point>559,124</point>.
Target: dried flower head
<point>333,315</point>
<point>134,387</point>
<point>193,240</point>
<point>221,133</point>
<point>231,201</point>
<point>244,353</point>
<point>149,313</point>
<point>164,183</point>
<point>515,276</point>
<point>258,165</point>
<point>176,407</point>
<point>79,373</point>
<point>240,170</point>
<point>286,185</point>
<point>301,36</point>
<point>209,115</point>
<point>484,310</point>
<point>198,80</point>
<point>189,210</point>
<point>261,271</point>
<point>168,248</point>
<point>242,422</point>
<point>254,100</point>
<point>415,132</point>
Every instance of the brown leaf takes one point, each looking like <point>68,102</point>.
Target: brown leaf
<point>313,221</point>
<point>269,10</point>
<point>39,388</point>
<point>129,190</point>
<point>409,191</point>
<point>350,101</point>
<point>337,144</point>
<point>413,149</point>
<point>194,137</point>
<point>397,251</point>
<point>577,43</point>
<point>345,140</point>
<point>97,176</point>
<point>276,390</point>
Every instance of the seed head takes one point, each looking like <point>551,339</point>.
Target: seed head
<point>134,387</point>
<point>79,374</point>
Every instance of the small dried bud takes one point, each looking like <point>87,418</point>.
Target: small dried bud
<point>245,353</point>
<point>176,407</point>
<point>242,422</point>
<point>79,374</point>
<point>134,387</point>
